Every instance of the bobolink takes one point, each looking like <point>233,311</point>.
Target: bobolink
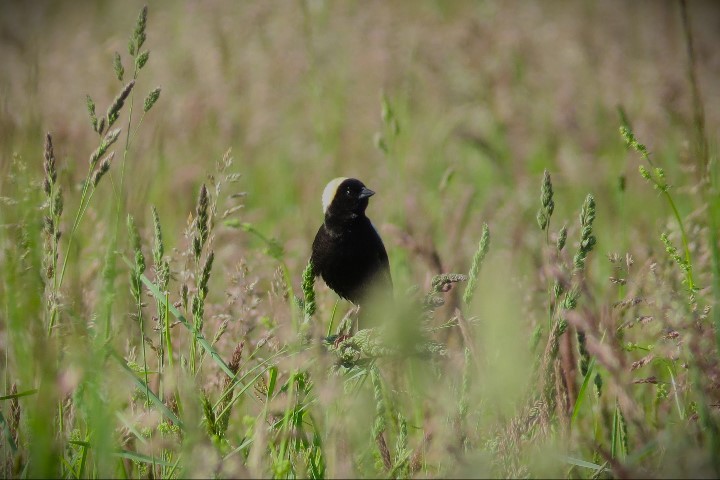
<point>347,251</point>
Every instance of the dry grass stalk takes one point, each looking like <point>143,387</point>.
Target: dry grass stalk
<point>384,451</point>
<point>228,388</point>
<point>416,460</point>
<point>14,424</point>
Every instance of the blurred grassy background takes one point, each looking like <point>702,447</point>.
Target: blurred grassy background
<point>486,96</point>
<point>493,92</point>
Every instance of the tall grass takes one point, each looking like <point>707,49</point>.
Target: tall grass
<point>150,351</point>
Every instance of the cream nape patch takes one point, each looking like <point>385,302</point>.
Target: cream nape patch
<point>329,192</point>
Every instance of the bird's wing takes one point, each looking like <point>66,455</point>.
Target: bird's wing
<point>382,257</point>
<point>318,255</point>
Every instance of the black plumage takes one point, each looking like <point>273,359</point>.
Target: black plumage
<point>347,251</point>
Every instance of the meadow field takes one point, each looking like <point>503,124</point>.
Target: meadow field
<point>548,191</point>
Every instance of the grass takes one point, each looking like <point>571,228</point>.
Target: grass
<point>555,310</point>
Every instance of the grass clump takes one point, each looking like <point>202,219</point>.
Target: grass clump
<point>549,361</point>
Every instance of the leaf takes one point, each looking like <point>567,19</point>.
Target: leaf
<point>581,393</point>
<point>21,394</point>
<point>138,381</point>
<point>139,457</point>
<point>581,463</point>
<point>6,431</point>
<point>273,380</point>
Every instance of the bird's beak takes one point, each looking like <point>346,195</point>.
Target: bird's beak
<point>365,193</point>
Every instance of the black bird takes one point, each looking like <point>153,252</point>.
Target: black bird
<point>347,251</point>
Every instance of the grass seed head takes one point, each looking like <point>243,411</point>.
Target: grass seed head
<point>562,238</point>
<point>234,363</point>
<point>142,59</point>
<point>151,99</point>
<point>138,37</point>
<point>546,194</point>
<point>103,169</point>
<point>483,247</point>
<point>57,204</point>
<point>444,281</point>
<point>308,282</point>
<point>48,225</point>
<point>135,244</point>
<point>49,164</point>
<point>197,310</point>
<point>201,222</point>
<point>101,126</point>
<point>91,111</point>
<point>162,268</point>
<point>225,407</point>
<point>632,142</point>
<point>644,173</point>
<point>114,110</point>
<point>673,253</point>
<point>158,246</point>
<point>547,204</point>
<point>587,239</point>
<point>208,414</point>
<point>587,213</point>
<point>118,67</point>
<point>107,142</point>
<point>542,219</point>
<point>571,298</point>
<point>205,275</point>
<point>380,409</point>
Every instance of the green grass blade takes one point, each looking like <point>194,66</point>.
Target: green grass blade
<point>581,393</point>
<point>131,428</point>
<point>145,388</point>
<point>160,297</point>
<point>272,382</point>
<point>240,393</point>
<point>20,394</point>
<point>581,463</point>
<point>6,433</point>
<point>243,445</point>
<point>615,435</point>
<point>199,337</point>
<point>139,457</point>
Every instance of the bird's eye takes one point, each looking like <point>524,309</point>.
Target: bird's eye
<point>348,192</point>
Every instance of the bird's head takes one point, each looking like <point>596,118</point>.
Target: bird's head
<point>345,198</point>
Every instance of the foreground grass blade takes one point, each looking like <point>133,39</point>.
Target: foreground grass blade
<point>6,433</point>
<point>242,446</point>
<point>20,394</point>
<point>139,457</point>
<point>581,463</point>
<point>181,318</point>
<point>581,393</point>
<point>145,388</point>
